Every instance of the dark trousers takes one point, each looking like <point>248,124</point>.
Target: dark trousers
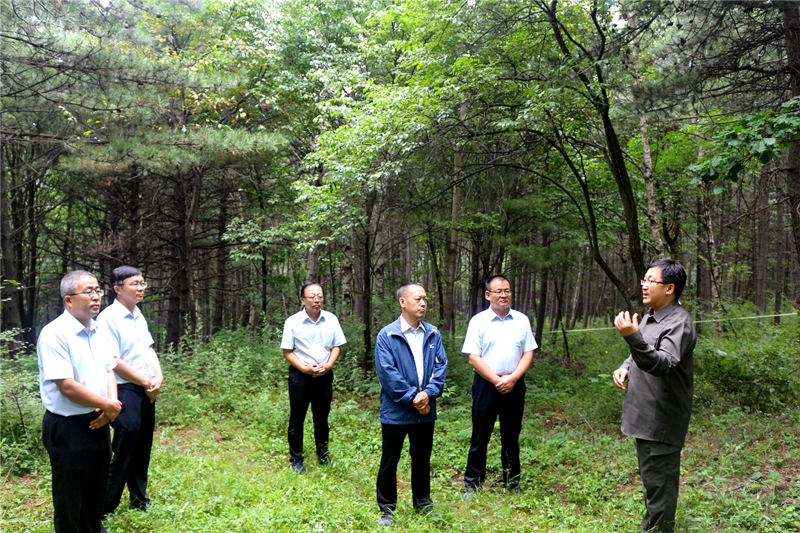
<point>305,390</point>
<point>133,440</point>
<point>660,479</point>
<point>420,446</point>
<point>79,459</point>
<point>487,405</point>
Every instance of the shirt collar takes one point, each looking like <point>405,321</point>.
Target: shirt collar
<point>664,311</point>
<point>76,327</point>
<point>320,318</point>
<point>123,311</point>
<point>495,316</point>
<point>405,326</point>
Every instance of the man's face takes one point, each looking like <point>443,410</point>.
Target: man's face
<point>131,291</point>
<point>656,294</point>
<point>499,294</point>
<point>84,302</point>
<point>312,298</point>
<point>415,302</point>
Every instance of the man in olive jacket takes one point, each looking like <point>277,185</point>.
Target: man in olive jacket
<point>412,366</point>
<point>658,402</point>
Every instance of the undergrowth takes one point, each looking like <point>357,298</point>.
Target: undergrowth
<point>220,461</point>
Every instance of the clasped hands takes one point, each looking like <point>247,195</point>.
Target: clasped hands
<point>505,384</point>
<point>317,369</point>
<point>107,414</point>
<point>421,403</point>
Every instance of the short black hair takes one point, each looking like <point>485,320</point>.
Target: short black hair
<point>671,272</point>
<point>309,284</point>
<point>120,274</point>
<point>487,283</point>
<point>402,290</point>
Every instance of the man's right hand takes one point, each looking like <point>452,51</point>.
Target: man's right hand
<point>620,375</point>
<point>112,409</point>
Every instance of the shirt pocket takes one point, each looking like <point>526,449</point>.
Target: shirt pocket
<point>327,338</point>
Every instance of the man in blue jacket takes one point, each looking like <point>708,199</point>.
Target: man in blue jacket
<point>412,366</point>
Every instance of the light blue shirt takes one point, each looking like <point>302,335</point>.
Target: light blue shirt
<point>416,340</point>
<point>128,337</point>
<point>311,341</point>
<point>66,349</point>
<point>499,341</point>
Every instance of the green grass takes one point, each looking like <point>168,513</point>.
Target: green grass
<point>220,462</point>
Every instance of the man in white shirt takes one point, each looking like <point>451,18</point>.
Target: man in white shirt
<point>78,390</point>
<point>500,346</point>
<point>139,379</point>
<point>311,341</point>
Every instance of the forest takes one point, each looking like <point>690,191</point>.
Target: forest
<point>235,150</point>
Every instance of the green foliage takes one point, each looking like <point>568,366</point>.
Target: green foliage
<point>760,372</point>
<point>760,136</point>
<point>220,460</point>
<point>219,378</point>
<point>21,450</point>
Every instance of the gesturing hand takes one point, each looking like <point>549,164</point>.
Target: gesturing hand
<point>625,324</point>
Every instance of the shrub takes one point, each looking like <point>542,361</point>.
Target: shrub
<point>21,450</point>
<point>759,374</point>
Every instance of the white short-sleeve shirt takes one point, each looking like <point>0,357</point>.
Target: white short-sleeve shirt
<point>311,341</point>
<point>66,349</point>
<point>499,341</point>
<point>416,340</point>
<point>128,337</point>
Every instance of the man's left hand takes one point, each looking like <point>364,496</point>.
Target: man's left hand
<point>625,324</point>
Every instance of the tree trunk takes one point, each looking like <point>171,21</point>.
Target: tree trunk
<point>647,157</point>
<point>347,279</point>
<point>222,267</point>
<point>452,243</point>
<point>713,266</point>
<point>9,295</point>
<point>790,12</point>
<point>761,238</point>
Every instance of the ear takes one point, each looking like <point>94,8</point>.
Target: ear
<point>671,288</point>
<point>486,294</point>
<point>402,302</point>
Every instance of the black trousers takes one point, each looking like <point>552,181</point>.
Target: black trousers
<point>305,390</point>
<point>133,440</point>
<point>79,459</point>
<point>420,446</point>
<point>487,405</point>
<point>660,480</point>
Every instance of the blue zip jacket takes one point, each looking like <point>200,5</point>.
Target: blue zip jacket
<point>397,373</point>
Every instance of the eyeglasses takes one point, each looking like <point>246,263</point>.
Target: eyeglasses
<point>653,282</point>
<point>314,297</point>
<point>505,292</point>
<point>137,284</point>
<point>98,291</point>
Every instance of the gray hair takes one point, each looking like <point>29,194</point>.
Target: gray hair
<point>69,283</point>
<point>403,289</point>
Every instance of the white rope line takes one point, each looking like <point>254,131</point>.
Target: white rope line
<point>696,322</point>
